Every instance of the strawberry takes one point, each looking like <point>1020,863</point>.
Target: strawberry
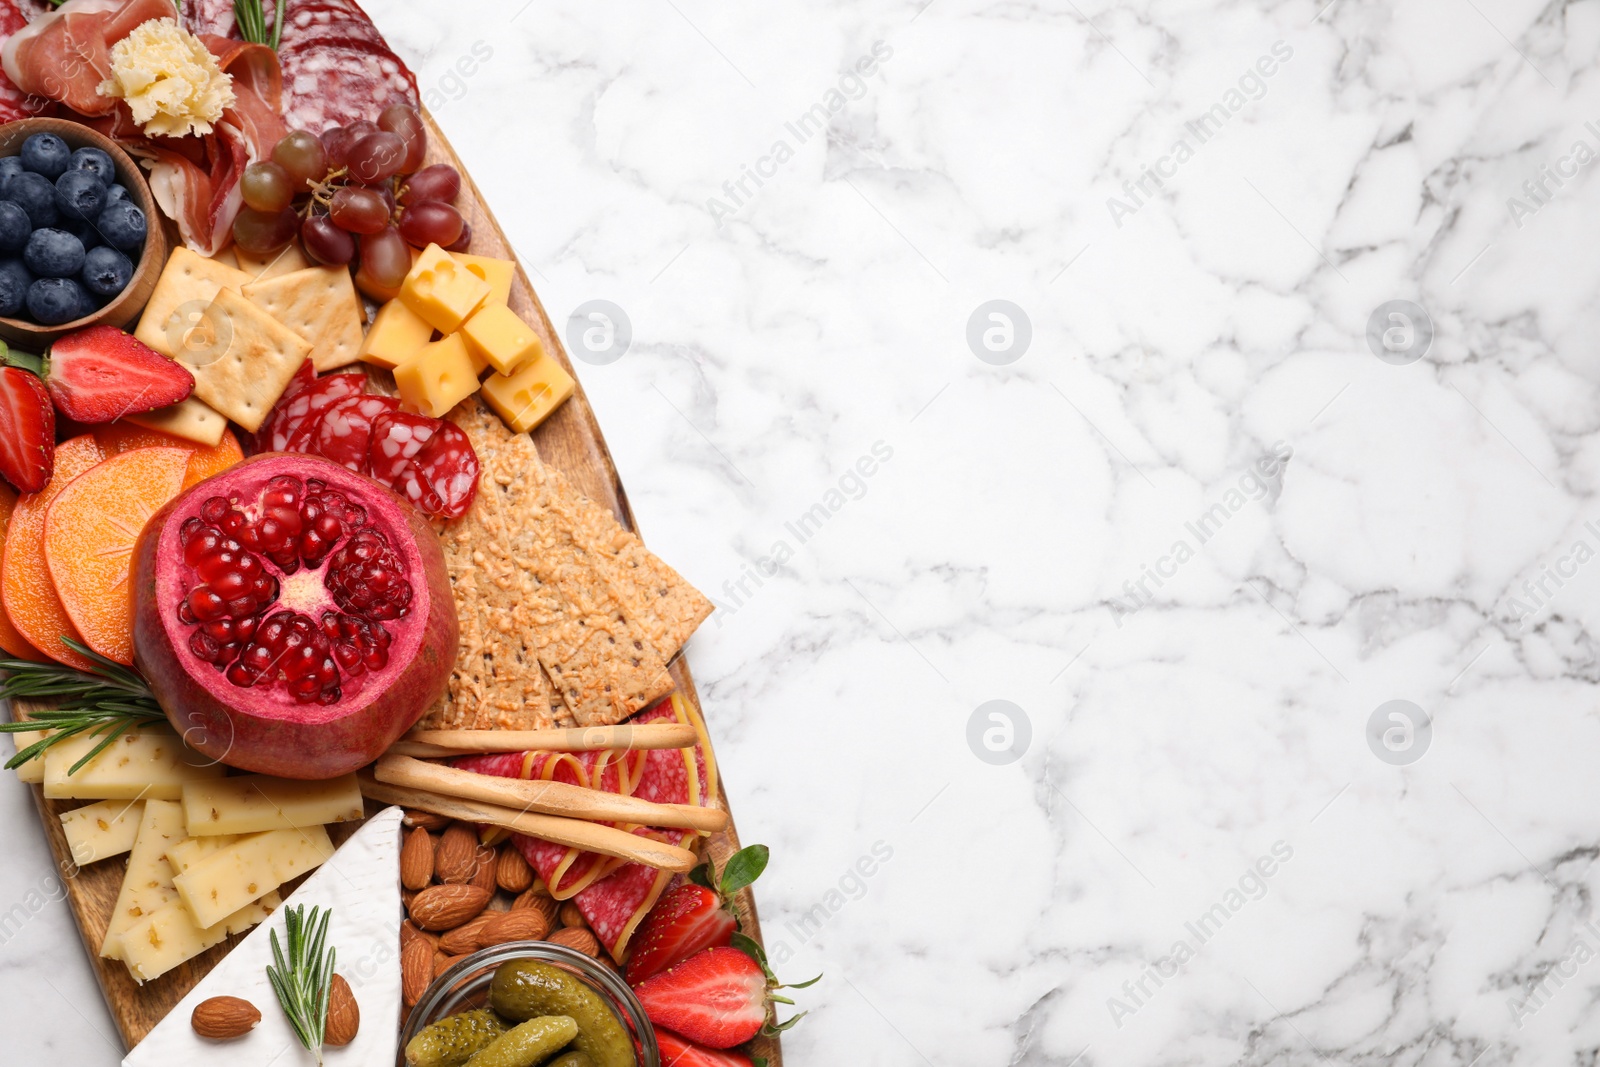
<point>101,374</point>
<point>27,431</point>
<point>718,998</point>
<point>676,1052</point>
<point>694,916</point>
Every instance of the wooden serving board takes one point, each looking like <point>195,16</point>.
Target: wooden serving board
<point>570,440</point>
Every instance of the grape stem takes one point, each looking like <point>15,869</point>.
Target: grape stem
<point>322,192</point>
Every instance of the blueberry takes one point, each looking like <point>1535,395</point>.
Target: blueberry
<point>36,195</point>
<point>80,195</point>
<point>46,154</point>
<point>14,281</point>
<point>106,271</point>
<point>113,194</point>
<point>95,162</point>
<point>122,224</point>
<point>14,227</point>
<point>52,301</point>
<point>8,166</point>
<point>53,253</point>
<point>85,232</point>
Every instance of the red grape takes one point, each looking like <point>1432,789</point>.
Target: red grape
<point>336,142</point>
<point>266,187</point>
<point>376,157</point>
<point>262,233</point>
<point>358,210</point>
<point>462,243</point>
<point>361,127</point>
<point>439,182</point>
<point>302,158</point>
<point>326,243</point>
<point>431,223</point>
<point>385,262</point>
<point>404,122</point>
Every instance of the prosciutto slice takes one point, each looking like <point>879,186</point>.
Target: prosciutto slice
<point>14,103</point>
<point>64,55</point>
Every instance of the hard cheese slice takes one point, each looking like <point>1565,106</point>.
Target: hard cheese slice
<point>100,831</point>
<point>252,803</point>
<point>362,886</point>
<point>159,942</point>
<point>222,883</point>
<point>139,765</point>
<point>147,887</point>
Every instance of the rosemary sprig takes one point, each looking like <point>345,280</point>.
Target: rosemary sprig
<point>303,976</point>
<point>253,22</point>
<point>106,701</point>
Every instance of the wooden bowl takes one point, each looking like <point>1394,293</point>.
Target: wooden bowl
<point>126,305</point>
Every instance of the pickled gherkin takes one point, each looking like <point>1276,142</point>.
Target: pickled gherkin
<point>453,1041</point>
<point>528,989</point>
<point>571,1059</point>
<point>528,1044</point>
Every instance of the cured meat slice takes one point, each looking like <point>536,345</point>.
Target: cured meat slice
<point>202,17</point>
<point>328,85</point>
<point>430,462</point>
<point>65,54</point>
<point>294,421</point>
<point>614,897</point>
<point>310,22</point>
<point>347,427</point>
<point>14,103</point>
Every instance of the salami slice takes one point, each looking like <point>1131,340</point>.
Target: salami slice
<point>294,421</point>
<point>326,85</point>
<point>209,16</point>
<point>347,426</point>
<point>430,462</point>
<point>309,22</point>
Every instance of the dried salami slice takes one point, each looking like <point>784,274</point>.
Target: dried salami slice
<point>428,461</point>
<point>209,16</point>
<point>307,22</point>
<point>326,85</point>
<point>294,421</point>
<point>346,428</point>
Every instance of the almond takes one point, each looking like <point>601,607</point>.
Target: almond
<point>576,937</point>
<point>445,907</point>
<point>224,1018</point>
<point>536,898</point>
<point>416,860</point>
<point>570,915</point>
<point>426,820</point>
<point>344,1014</point>
<point>513,873</point>
<point>416,970</point>
<point>483,876</point>
<point>455,861</point>
<point>527,924</point>
<point>464,938</point>
<point>442,963</point>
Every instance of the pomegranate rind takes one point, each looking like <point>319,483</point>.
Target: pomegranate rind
<point>256,729</point>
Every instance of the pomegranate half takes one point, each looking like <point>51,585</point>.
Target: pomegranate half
<point>292,617</point>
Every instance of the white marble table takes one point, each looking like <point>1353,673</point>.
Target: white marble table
<point>1211,844</point>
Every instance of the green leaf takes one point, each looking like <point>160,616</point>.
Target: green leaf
<point>744,867</point>
<point>701,876</point>
<point>774,1028</point>
<point>805,985</point>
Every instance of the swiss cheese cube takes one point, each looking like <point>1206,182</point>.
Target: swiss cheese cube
<point>442,291</point>
<point>159,942</point>
<point>150,764</point>
<point>497,272</point>
<point>397,335</point>
<point>248,869</point>
<point>438,378</point>
<point>526,398</point>
<point>249,804</point>
<point>503,340</point>
<point>100,831</point>
<point>147,886</point>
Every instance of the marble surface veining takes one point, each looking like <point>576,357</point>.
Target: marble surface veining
<point>1171,507</point>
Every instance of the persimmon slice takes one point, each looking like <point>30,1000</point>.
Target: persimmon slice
<point>204,461</point>
<point>26,591</point>
<point>14,643</point>
<point>89,535</point>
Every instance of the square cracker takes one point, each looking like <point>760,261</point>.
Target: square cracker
<point>242,359</point>
<point>188,284</point>
<point>189,419</point>
<point>289,260</point>
<point>320,305</point>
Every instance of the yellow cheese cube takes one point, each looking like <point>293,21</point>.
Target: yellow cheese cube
<point>441,291</point>
<point>502,339</point>
<point>248,869</point>
<point>440,377</point>
<point>526,398</point>
<point>497,272</point>
<point>248,804</point>
<point>397,335</point>
<point>100,831</point>
<point>159,942</point>
<point>147,886</point>
<point>149,764</point>
<point>191,850</point>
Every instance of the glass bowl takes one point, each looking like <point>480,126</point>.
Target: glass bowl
<point>465,987</point>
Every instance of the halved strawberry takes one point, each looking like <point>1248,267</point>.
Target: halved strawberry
<point>676,1052</point>
<point>27,431</point>
<point>101,374</point>
<point>694,916</point>
<point>719,998</point>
